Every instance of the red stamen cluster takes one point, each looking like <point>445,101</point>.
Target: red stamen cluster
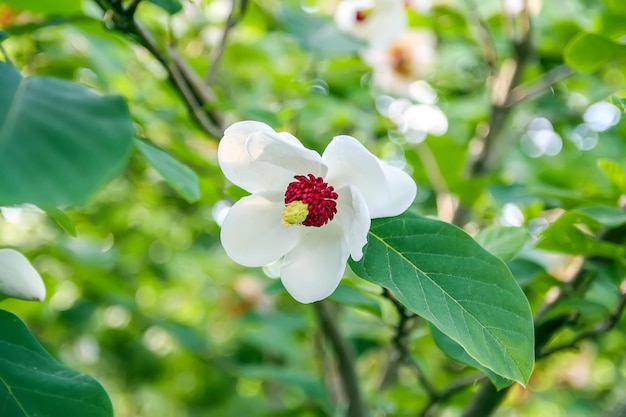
<point>317,194</point>
<point>360,15</point>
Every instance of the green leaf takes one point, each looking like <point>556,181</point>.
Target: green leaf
<point>615,172</point>
<point>56,7</point>
<point>439,272</point>
<point>456,352</point>
<point>572,233</point>
<point>170,6</point>
<point>588,51</point>
<point>503,242</point>
<point>59,141</point>
<point>350,296</point>
<point>177,174</point>
<point>605,215</point>
<point>317,34</point>
<point>63,220</point>
<point>33,383</point>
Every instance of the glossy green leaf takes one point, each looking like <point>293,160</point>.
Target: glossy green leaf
<point>456,352</point>
<point>615,172</point>
<point>573,233</point>
<point>170,6</point>
<point>55,7</point>
<point>439,272</point>
<point>33,383</point>
<point>177,174</point>
<point>589,51</point>
<point>316,33</point>
<point>503,242</point>
<point>59,141</point>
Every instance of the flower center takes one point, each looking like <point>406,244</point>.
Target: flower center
<point>309,201</point>
<point>362,14</point>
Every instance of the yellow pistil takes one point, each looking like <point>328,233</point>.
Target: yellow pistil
<point>295,213</point>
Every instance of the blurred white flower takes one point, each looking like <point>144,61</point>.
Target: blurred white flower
<point>18,278</point>
<point>376,21</point>
<point>416,121</point>
<point>408,58</point>
<point>306,213</point>
<point>602,115</point>
<point>541,139</point>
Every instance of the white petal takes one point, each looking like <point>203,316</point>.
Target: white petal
<point>401,191</point>
<point>256,158</point>
<point>354,218</point>
<point>350,163</point>
<point>388,191</point>
<point>253,233</point>
<point>279,150</point>
<point>313,269</point>
<point>18,278</point>
<point>273,270</point>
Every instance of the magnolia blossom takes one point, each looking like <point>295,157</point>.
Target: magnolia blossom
<point>18,278</point>
<point>306,213</point>
<point>408,58</point>
<point>376,21</point>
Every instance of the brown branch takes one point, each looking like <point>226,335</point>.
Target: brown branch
<point>345,359</point>
<point>233,18</point>
<point>502,86</point>
<point>194,93</point>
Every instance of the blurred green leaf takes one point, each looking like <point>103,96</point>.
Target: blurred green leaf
<point>59,141</point>
<point>317,34</point>
<point>55,7</point>
<point>589,51</point>
<point>456,352</point>
<point>170,6</point>
<point>33,383</point>
<point>63,220</point>
<point>503,242</point>
<point>350,296</point>
<point>615,172</point>
<point>177,174</point>
<point>439,272</point>
<point>573,231</point>
<point>605,215</point>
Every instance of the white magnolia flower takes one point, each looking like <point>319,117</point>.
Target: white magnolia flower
<point>376,21</point>
<point>408,58</point>
<point>18,278</point>
<point>306,213</point>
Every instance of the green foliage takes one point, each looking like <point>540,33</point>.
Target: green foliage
<point>588,51</point>
<point>177,174</point>
<point>141,295</point>
<point>33,383</point>
<point>59,141</point>
<point>442,274</point>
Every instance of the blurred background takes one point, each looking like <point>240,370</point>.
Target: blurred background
<point>144,298</point>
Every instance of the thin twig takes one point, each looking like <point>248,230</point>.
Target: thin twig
<point>233,18</point>
<point>608,324</point>
<point>195,94</point>
<point>534,89</point>
<point>345,360</point>
<point>485,37</point>
<point>132,7</point>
